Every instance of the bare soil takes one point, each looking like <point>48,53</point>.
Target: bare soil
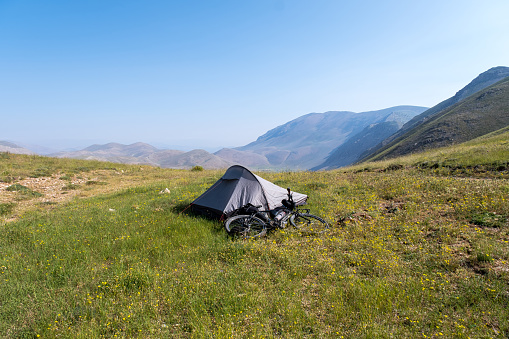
<point>56,191</point>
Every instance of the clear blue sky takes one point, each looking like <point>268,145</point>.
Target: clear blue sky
<point>215,73</point>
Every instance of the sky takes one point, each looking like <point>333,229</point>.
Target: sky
<point>219,73</point>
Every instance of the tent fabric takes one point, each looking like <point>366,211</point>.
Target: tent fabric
<point>238,187</point>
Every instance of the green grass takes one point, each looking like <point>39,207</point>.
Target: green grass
<point>6,208</point>
<point>34,166</point>
<point>487,156</point>
<point>413,253</point>
<point>24,192</point>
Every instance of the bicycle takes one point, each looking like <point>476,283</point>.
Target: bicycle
<point>250,222</point>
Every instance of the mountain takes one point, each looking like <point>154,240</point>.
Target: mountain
<point>245,158</point>
<point>467,115</point>
<point>141,153</point>
<point>110,150</point>
<point>350,151</point>
<point>9,147</point>
<point>483,80</point>
<point>197,157</point>
<point>305,142</point>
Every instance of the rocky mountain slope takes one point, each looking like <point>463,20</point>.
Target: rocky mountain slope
<point>306,141</point>
<point>467,115</point>
<point>351,150</point>
<point>483,80</point>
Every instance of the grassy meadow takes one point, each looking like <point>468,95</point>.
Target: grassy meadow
<point>419,248</point>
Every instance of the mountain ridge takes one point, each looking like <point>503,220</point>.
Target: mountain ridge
<point>350,151</point>
<point>337,138</point>
<point>306,141</point>
<point>482,81</point>
<point>479,113</point>
<point>145,154</point>
<point>9,147</point>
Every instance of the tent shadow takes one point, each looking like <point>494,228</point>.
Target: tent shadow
<point>184,208</point>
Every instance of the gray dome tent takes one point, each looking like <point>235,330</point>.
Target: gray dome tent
<point>238,187</point>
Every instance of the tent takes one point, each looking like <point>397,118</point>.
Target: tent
<point>238,187</point>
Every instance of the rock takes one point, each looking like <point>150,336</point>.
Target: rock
<point>165,191</point>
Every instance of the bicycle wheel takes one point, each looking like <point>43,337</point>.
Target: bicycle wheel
<point>308,223</point>
<point>245,226</point>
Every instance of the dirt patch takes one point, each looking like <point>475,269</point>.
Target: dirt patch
<point>50,187</point>
<point>56,190</point>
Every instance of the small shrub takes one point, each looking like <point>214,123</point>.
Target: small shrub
<point>7,179</point>
<point>70,187</point>
<point>81,169</point>
<point>4,155</point>
<point>197,169</point>
<point>27,192</point>
<point>483,257</point>
<point>41,172</point>
<point>93,182</point>
<point>394,167</point>
<point>488,219</point>
<point>16,188</point>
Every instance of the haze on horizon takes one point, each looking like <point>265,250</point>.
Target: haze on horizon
<point>205,74</point>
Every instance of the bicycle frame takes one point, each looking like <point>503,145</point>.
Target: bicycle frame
<point>260,222</point>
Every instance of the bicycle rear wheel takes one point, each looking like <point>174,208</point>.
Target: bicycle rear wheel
<point>309,223</point>
<point>245,226</point>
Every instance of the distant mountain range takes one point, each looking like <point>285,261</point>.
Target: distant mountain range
<point>141,153</point>
<point>306,141</point>
<point>9,147</point>
<point>321,141</point>
<point>299,144</point>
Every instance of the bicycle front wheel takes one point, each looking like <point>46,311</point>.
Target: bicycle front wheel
<point>245,226</point>
<point>308,223</point>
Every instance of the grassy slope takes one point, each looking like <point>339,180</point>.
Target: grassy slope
<point>413,253</point>
<point>484,156</point>
<point>479,114</point>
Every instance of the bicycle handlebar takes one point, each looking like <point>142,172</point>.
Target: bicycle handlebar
<point>290,197</point>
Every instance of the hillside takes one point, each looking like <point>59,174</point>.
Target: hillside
<point>350,151</point>
<point>198,157</point>
<point>145,154</point>
<point>485,156</point>
<point>306,141</point>
<point>413,252</point>
<point>6,146</point>
<point>244,158</point>
<point>479,108</point>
